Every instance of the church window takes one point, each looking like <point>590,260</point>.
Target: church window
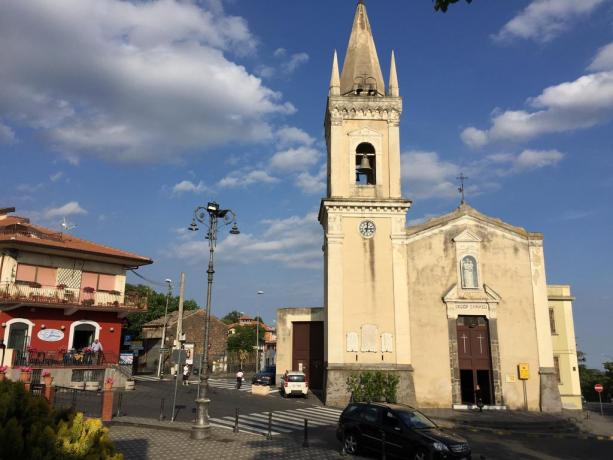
<point>468,269</point>
<point>365,164</point>
<point>552,321</point>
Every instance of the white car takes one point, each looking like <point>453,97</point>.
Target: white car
<point>294,383</point>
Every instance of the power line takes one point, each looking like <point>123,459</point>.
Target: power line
<point>155,283</point>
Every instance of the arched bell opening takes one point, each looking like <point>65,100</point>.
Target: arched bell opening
<point>365,164</point>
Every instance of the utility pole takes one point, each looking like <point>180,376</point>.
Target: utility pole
<point>180,317</point>
<point>161,358</point>
<point>257,335</point>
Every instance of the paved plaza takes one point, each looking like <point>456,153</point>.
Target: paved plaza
<point>140,434</point>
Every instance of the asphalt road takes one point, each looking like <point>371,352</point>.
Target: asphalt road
<point>145,402</point>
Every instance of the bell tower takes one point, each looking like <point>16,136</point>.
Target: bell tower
<point>363,217</point>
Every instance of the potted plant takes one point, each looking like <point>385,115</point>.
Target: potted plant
<point>61,287</point>
<point>26,374</point>
<point>108,383</point>
<point>47,378</point>
<point>3,370</point>
<point>89,290</point>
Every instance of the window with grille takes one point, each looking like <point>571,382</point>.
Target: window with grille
<point>556,365</point>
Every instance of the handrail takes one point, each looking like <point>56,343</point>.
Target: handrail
<point>64,359</point>
<point>21,292</point>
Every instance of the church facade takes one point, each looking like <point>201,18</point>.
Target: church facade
<point>456,307</point>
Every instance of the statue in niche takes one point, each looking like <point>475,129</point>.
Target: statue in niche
<point>468,266</point>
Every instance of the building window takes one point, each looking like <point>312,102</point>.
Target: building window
<point>556,365</point>
<point>98,281</point>
<point>552,321</point>
<point>365,164</point>
<point>28,274</point>
<point>468,269</point>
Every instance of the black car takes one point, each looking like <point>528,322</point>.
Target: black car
<point>402,431</point>
<point>265,377</point>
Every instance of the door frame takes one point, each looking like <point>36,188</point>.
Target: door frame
<point>7,330</point>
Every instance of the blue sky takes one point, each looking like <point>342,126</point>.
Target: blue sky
<point>124,116</point>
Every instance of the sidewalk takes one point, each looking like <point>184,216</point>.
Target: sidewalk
<point>567,424</point>
<point>138,443</point>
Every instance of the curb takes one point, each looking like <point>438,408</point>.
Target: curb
<point>579,435</point>
<point>151,426</point>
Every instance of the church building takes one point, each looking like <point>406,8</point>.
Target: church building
<point>456,306</point>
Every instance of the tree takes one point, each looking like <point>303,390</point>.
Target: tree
<point>244,338</point>
<point>232,317</point>
<point>590,377</point>
<point>156,302</point>
<point>442,5</point>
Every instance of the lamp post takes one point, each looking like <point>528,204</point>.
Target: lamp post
<point>169,284</point>
<point>210,215</point>
<point>257,335</point>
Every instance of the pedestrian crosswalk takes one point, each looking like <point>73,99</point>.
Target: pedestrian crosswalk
<point>283,422</point>
<point>149,378</point>
<point>227,384</point>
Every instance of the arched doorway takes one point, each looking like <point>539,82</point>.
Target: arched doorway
<point>83,334</point>
<point>18,337</point>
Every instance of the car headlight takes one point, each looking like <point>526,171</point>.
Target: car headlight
<point>440,447</point>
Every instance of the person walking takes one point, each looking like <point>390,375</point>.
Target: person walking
<point>186,375</point>
<point>239,379</point>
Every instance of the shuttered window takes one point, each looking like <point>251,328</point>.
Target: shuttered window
<point>98,281</point>
<point>45,276</point>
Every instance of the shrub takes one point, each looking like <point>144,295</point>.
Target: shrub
<point>373,386</point>
<point>84,439</point>
<point>31,429</point>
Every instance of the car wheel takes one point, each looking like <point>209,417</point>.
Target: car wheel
<point>421,455</point>
<point>350,444</point>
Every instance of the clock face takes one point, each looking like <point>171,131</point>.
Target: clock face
<point>367,228</point>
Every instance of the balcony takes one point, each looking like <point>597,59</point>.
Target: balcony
<point>15,295</point>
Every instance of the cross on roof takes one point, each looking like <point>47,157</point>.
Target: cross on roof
<point>461,178</point>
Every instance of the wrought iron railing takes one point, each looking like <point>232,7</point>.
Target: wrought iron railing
<point>23,292</point>
<point>60,358</point>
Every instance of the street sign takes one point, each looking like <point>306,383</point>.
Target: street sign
<point>178,356</point>
<point>164,349</point>
<point>598,387</point>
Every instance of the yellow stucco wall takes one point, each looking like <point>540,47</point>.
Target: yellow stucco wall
<point>564,345</point>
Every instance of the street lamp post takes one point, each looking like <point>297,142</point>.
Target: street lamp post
<point>257,335</point>
<point>210,215</point>
<point>169,283</point>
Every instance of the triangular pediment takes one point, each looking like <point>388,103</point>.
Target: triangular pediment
<point>467,237</point>
<point>484,294</point>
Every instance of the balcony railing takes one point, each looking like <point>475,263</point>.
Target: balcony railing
<point>61,358</point>
<point>15,293</point>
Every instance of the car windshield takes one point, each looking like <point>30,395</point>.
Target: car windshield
<point>295,378</point>
<point>415,420</point>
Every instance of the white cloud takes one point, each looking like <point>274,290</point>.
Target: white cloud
<point>69,209</point>
<point>604,59</point>
<point>295,61</point>
<point>544,20</point>
<point>131,81</point>
<point>473,137</point>
<point>57,176</point>
<point>427,176</point>
<point>527,160</point>
<point>579,104</point>
<point>280,52</point>
<point>290,135</point>
<point>294,242</point>
<point>312,184</point>
<point>297,159</point>
<point>188,186</point>
<point>7,135</point>
<point>244,178</point>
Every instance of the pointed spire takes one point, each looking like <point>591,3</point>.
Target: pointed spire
<point>361,61</point>
<point>393,89</point>
<point>335,80</point>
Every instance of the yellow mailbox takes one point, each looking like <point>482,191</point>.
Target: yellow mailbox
<point>523,369</point>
